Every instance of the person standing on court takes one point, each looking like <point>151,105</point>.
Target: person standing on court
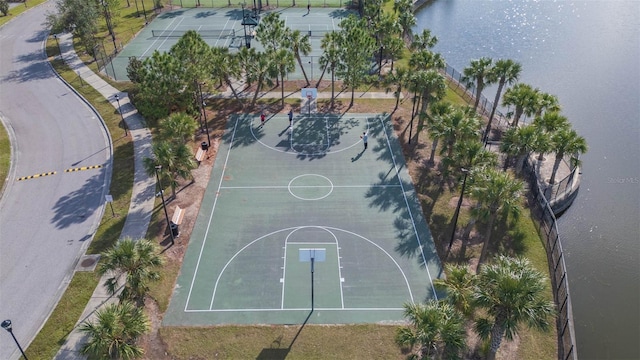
<point>290,117</point>
<point>262,117</point>
<point>308,8</point>
<point>365,139</point>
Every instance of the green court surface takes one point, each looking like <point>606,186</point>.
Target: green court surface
<point>279,196</point>
<point>223,27</point>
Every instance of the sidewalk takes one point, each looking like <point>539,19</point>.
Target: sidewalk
<point>143,192</point>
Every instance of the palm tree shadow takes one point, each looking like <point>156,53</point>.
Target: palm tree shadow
<point>274,352</point>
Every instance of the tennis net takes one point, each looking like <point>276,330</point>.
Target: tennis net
<point>218,33</point>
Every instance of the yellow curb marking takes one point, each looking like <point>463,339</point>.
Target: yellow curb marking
<point>83,168</point>
<point>37,175</point>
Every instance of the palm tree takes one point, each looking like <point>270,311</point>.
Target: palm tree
<point>523,97</point>
<point>285,62</point>
<point>177,161</point>
<point>471,155</point>
<point>424,41</point>
<point>137,262</point>
<point>565,141</point>
<point>511,292</point>
<point>478,74</point>
<point>178,128</point>
<point>298,44</point>
<point>226,66</point>
<point>114,332</point>
<point>406,18</point>
<point>330,58</point>
<point>398,77</point>
<point>547,125</point>
<point>459,125</point>
<point>439,111</point>
<point>504,72</point>
<point>262,69</point>
<point>546,102</point>
<point>519,142</point>
<point>458,285</point>
<point>436,331</point>
<point>499,194</point>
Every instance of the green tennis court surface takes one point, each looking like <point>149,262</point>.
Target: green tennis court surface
<point>279,196</point>
<point>223,27</point>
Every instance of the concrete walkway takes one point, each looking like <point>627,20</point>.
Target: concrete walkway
<point>142,200</point>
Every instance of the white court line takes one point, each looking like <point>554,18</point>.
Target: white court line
<point>294,229</point>
<point>339,271</point>
<point>284,270</point>
<point>404,194</point>
<point>309,186</point>
<point>296,309</point>
<point>215,201</point>
<point>165,29</point>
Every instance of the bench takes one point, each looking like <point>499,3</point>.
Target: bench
<point>178,215</point>
<point>200,155</point>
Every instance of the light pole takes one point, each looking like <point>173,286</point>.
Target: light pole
<point>457,212</point>
<point>204,112</point>
<point>164,206</point>
<point>144,12</point>
<point>7,326</point>
<point>311,63</point>
<point>55,36</point>
<point>124,123</point>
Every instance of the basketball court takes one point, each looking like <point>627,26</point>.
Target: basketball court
<point>301,220</point>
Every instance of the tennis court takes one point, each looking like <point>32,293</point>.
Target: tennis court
<point>284,200</point>
<point>223,27</point>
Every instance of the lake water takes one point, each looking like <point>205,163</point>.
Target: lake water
<point>588,54</point>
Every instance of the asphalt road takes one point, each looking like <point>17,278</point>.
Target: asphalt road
<point>46,222</point>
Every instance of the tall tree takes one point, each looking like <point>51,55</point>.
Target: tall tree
<point>178,128</point>
<point>523,97</point>
<point>566,141</point>
<point>547,125</point>
<point>459,287</point>
<point>459,125</point>
<point>478,73</point>
<point>285,62</point>
<point>511,292</point>
<point>331,57</point>
<point>356,51</point>
<point>406,18</point>
<point>226,67</point>
<point>546,102</point>
<point>504,72</point>
<point>398,78</point>
<point>77,16</point>
<point>298,43</point>
<point>424,41</point>
<point>435,331</point>
<point>136,261</point>
<point>439,111</point>
<point>114,332</point>
<point>271,31</point>
<point>195,58</point>
<point>519,142</point>
<point>177,161</point>
<point>499,194</point>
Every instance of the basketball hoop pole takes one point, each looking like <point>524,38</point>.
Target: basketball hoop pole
<point>309,97</point>
<point>312,262</point>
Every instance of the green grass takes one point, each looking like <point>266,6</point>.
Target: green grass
<point>276,342</point>
<point>64,317</point>
<point>5,157</point>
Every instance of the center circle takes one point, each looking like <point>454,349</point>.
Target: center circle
<point>310,187</point>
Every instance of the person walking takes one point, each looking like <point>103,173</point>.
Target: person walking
<point>308,8</point>
<point>262,117</point>
<point>365,139</point>
<point>290,117</point>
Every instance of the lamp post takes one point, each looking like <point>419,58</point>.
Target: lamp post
<point>7,326</point>
<point>124,123</point>
<point>457,212</point>
<point>55,36</point>
<point>164,206</point>
<point>311,63</point>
